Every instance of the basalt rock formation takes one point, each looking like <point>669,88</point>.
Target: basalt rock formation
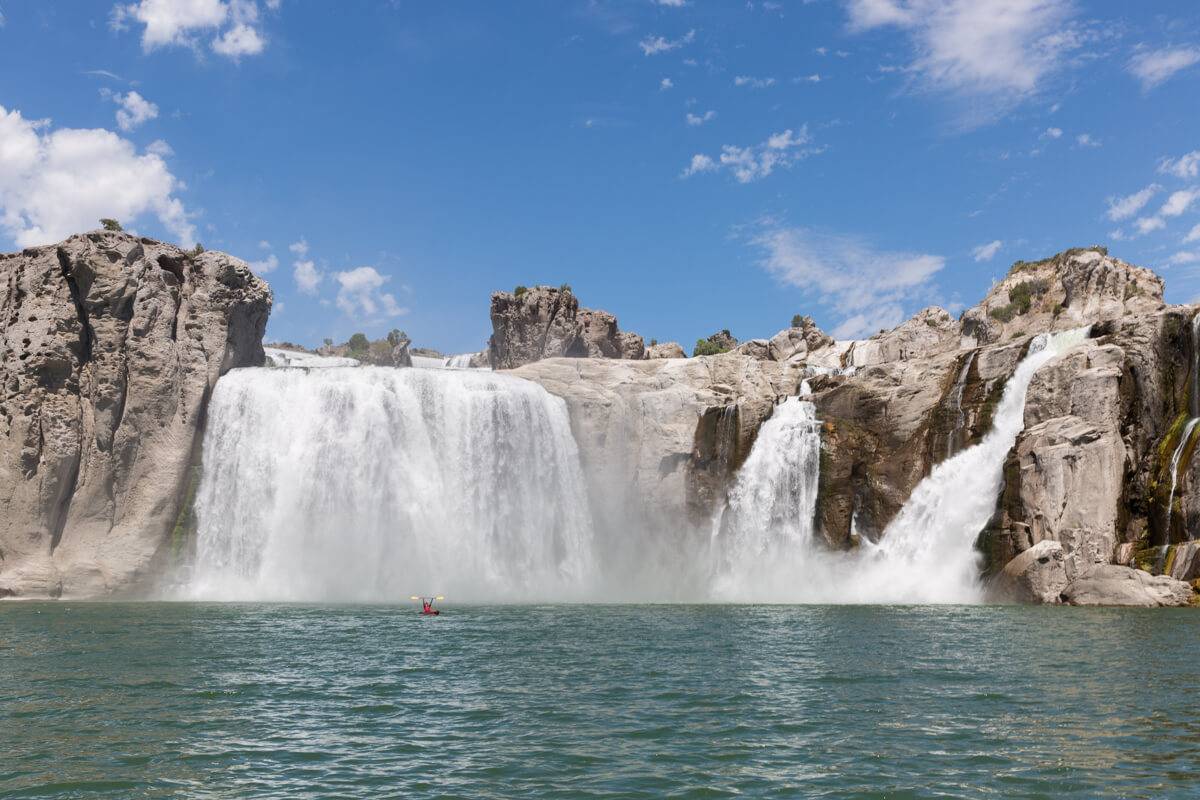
<point>111,347</point>
<point>544,322</point>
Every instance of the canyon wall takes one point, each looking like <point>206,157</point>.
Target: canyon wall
<point>111,346</point>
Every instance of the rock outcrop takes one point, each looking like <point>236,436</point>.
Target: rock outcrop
<point>544,322</point>
<point>1037,575</point>
<point>1114,585</point>
<point>666,350</point>
<point>111,347</point>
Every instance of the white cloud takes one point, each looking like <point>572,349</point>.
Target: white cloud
<point>238,41</point>
<point>671,3</point>
<point>1052,133</point>
<point>814,78</point>
<point>1153,67</point>
<point>300,248</point>
<point>1193,235</point>
<point>306,275</point>
<point>986,252</point>
<point>700,163</point>
<point>265,265</point>
<point>1179,202</point>
<point>758,161</point>
<point>653,45</point>
<point>182,22</point>
<point>359,294</point>
<point>1086,140</point>
<point>867,286</point>
<point>160,148</point>
<point>1183,257</point>
<point>54,183</point>
<point>991,48</point>
<point>1150,224</point>
<point>134,110</point>
<point>753,83</point>
<point>1186,166</point>
<point>665,83</point>
<point>1120,208</point>
<point>695,120</point>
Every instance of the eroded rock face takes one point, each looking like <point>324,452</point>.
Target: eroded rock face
<point>544,322</point>
<point>111,347</point>
<point>1113,585</point>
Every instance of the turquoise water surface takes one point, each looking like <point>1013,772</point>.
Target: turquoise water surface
<point>285,701</point>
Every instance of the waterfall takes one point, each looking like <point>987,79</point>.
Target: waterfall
<point>372,484</point>
<point>769,512</point>
<point>1190,425</point>
<point>956,397</point>
<point>927,553</point>
<point>294,358</point>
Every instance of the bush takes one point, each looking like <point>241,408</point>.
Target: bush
<point>396,336</point>
<point>359,343</point>
<point>110,224</point>
<point>797,320</point>
<point>1003,313</point>
<point>706,347</point>
<point>654,342</point>
<point>520,290</point>
<point>565,288</point>
<point>1023,294</point>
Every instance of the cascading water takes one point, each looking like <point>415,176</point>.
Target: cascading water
<point>769,513</point>
<point>294,358</point>
<point>764,541</point>
<point>372,484</point>
<point>927,553</point>
<point>1190,425</point>
<point>956,397</point>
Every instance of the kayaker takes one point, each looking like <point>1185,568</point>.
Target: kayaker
<point>426,605</point>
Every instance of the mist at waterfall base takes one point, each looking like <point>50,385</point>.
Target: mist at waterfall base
<point>926,554</point>
<point>371,484</point>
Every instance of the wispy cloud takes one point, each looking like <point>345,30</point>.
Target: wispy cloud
<point>986,252</point>
<point>780,150</point>
<point>867,286</point>
<point>134,110</point>
<point>696,120</point>
<point>1120,208</point>
<point>1001,50</point>
<point>752,82</point>
<point>1154,67</point>
<point>654,45</point>
<point>1186,166</point>
<point>1087,140</point>
<point>304,271</point>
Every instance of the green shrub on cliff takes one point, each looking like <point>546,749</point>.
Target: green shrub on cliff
<point>520,290</point>
<point>706,347</point>
<point>110,224</point>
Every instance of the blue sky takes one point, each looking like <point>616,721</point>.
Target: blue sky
<point>687,165</point>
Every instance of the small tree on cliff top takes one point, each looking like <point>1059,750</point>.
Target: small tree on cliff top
<point>110,224</point>
<point>359,343</point>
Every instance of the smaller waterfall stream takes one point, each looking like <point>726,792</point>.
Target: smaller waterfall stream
<point>956,398</point>
<point>769,513</point>
<point>1190,426</point>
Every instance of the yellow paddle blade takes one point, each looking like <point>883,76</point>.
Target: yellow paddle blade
<point>414,597</point>
<point>439,597</point>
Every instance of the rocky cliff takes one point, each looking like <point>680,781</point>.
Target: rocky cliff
<point>1103,468</point>
<point>111,346</point>
<point>543,322</point>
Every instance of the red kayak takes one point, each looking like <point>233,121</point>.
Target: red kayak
<point>433,613</point>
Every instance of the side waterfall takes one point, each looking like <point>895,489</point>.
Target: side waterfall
<point>1190,425</point>
<point>769,512</point>
<point>372,484</point>
<point>956,397</point>
<point>927,553</point>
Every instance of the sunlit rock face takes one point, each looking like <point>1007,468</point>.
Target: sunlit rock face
<point>111,347</point>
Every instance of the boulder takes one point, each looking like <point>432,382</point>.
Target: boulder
<point>666,350</point>
<point>1035,576</point>
<point>111,347</point>
<point>795,343</point>
<point>1114,585</point>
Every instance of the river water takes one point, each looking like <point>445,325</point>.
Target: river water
<point>286,701</point>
